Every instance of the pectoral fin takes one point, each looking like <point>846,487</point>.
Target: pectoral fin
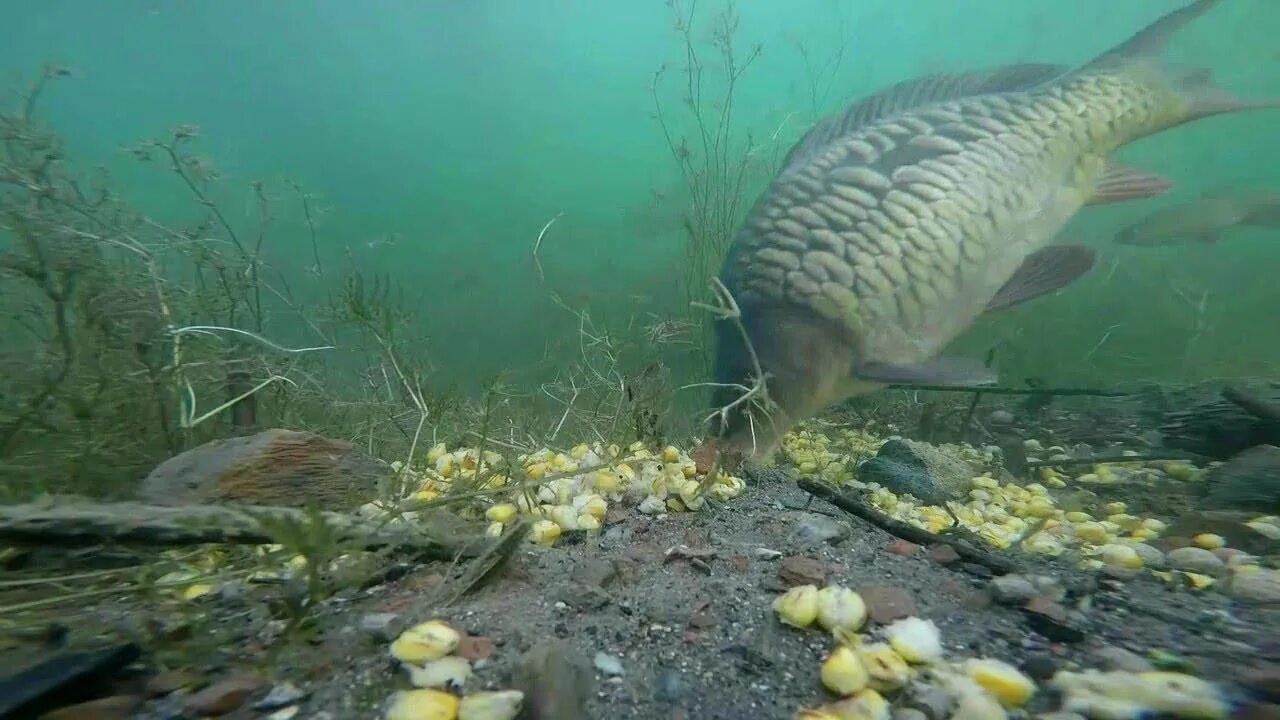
<point>1042,272</point>
<point>1121,183</point>
<point>939,371</point>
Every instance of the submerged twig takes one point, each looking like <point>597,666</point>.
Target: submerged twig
<point>537,245</point>
<point>907,532</point>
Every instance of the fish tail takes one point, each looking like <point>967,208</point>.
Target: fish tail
<point>1195,93</point>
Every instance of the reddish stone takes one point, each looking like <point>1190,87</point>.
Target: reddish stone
<point>943,554</point>
<point>903,548</point>
<point>800,570</point>
<point>475,647</point>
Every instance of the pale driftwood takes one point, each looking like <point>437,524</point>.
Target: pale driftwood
<point>437,535</point>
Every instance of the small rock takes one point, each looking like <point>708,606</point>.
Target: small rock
<point>1197,560</point>
<point>1260,586</point>
<point>766,554</point>
<point>224,696</point>
<point>903,548</point>
<point>1048,586</point>
<point>474,647</point>
<point>1110,657</point>
<point>801,570</point>
<point>739,563</point>
<point>286,713</point>
<point>812,529</point>
<point>886,603</point>
<point>931,700</point>
<point>942,554</point>
<point>383,627</point>
<point>608,664</point>
<point>282,694</point>
<point>582,597</point>
<point>168,681</point>
<point>930,473</point>
<point>116,707</point>
<point>1000,418</point>
<point>1051,620</point>
<point>597,572</point>
<point>668,687</point>
<point>1012,589</point>
<point>1151,557</point>
<point>1248,481</point>
<point>1040,666</point>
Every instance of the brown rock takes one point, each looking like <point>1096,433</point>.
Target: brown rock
<point>224,696</point>
<point>166,682</point>
<point>800,570</point>
<point>903,548</point>
<point>116,707</point>
<point>739,563</point>
<point>475,647</point>
<point>886,603</point>
<point>942,554</point>
<point>273,467</point>
<point>1051,620</point>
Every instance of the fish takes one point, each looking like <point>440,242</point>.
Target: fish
<point>892,227</point>
<point>1207,217</point>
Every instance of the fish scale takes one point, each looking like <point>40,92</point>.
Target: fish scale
<point>892,226</point>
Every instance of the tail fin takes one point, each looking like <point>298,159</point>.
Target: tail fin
<point>1197,88</point>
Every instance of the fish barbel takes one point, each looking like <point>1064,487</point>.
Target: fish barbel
<point>894,225</point>
<point>1206,218</point>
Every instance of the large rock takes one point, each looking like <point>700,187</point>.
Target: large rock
<point>1249,481</point>
<point>273,467</point>
<point>932,474</point>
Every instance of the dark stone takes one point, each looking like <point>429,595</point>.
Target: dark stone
<point>929,473</point>
<point>942,554</point>
<point>598,572</point>
<point>116,707</point>
<point>1051,620</point>
<point>1249,481</point>
<point>1040,666</point>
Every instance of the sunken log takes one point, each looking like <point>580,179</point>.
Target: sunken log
<point>1226,426</point>
<point>434,534</point>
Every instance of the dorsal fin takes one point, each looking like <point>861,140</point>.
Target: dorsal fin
<point>1150,41</point>
<point>914,93</point>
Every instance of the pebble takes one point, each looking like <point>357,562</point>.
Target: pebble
<point>1012,589</point>
<point>1261,586</point>
<point>286,713</point>
<point>224,696</point>
<point>886,603</point>
<point>1051,620</point>
<point>608,664</point>
<point>1040,666</point>
<point>943,554</point>
<point>282,694</point>
<point>903,547</point>
<point>1197,560</point>
<point>801,570</point>
<point>1111,657</point>
<point>1151,557</point>
<point>766,554</point>
<point>167,682</point>
<point>815,529</point>
<point>383,627</point>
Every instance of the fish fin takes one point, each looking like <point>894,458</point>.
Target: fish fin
<point>1200,93</point>
<point>1151,40</point>
<point>1042,272</point>
<point>914,93</point>
<point>939,371</point>
<point>1121,183</point>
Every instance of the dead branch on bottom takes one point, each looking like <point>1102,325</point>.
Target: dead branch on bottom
<point>71,524</point>
<point>910,533</point>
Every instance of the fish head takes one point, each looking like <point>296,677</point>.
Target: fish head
<point>805,360</point>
